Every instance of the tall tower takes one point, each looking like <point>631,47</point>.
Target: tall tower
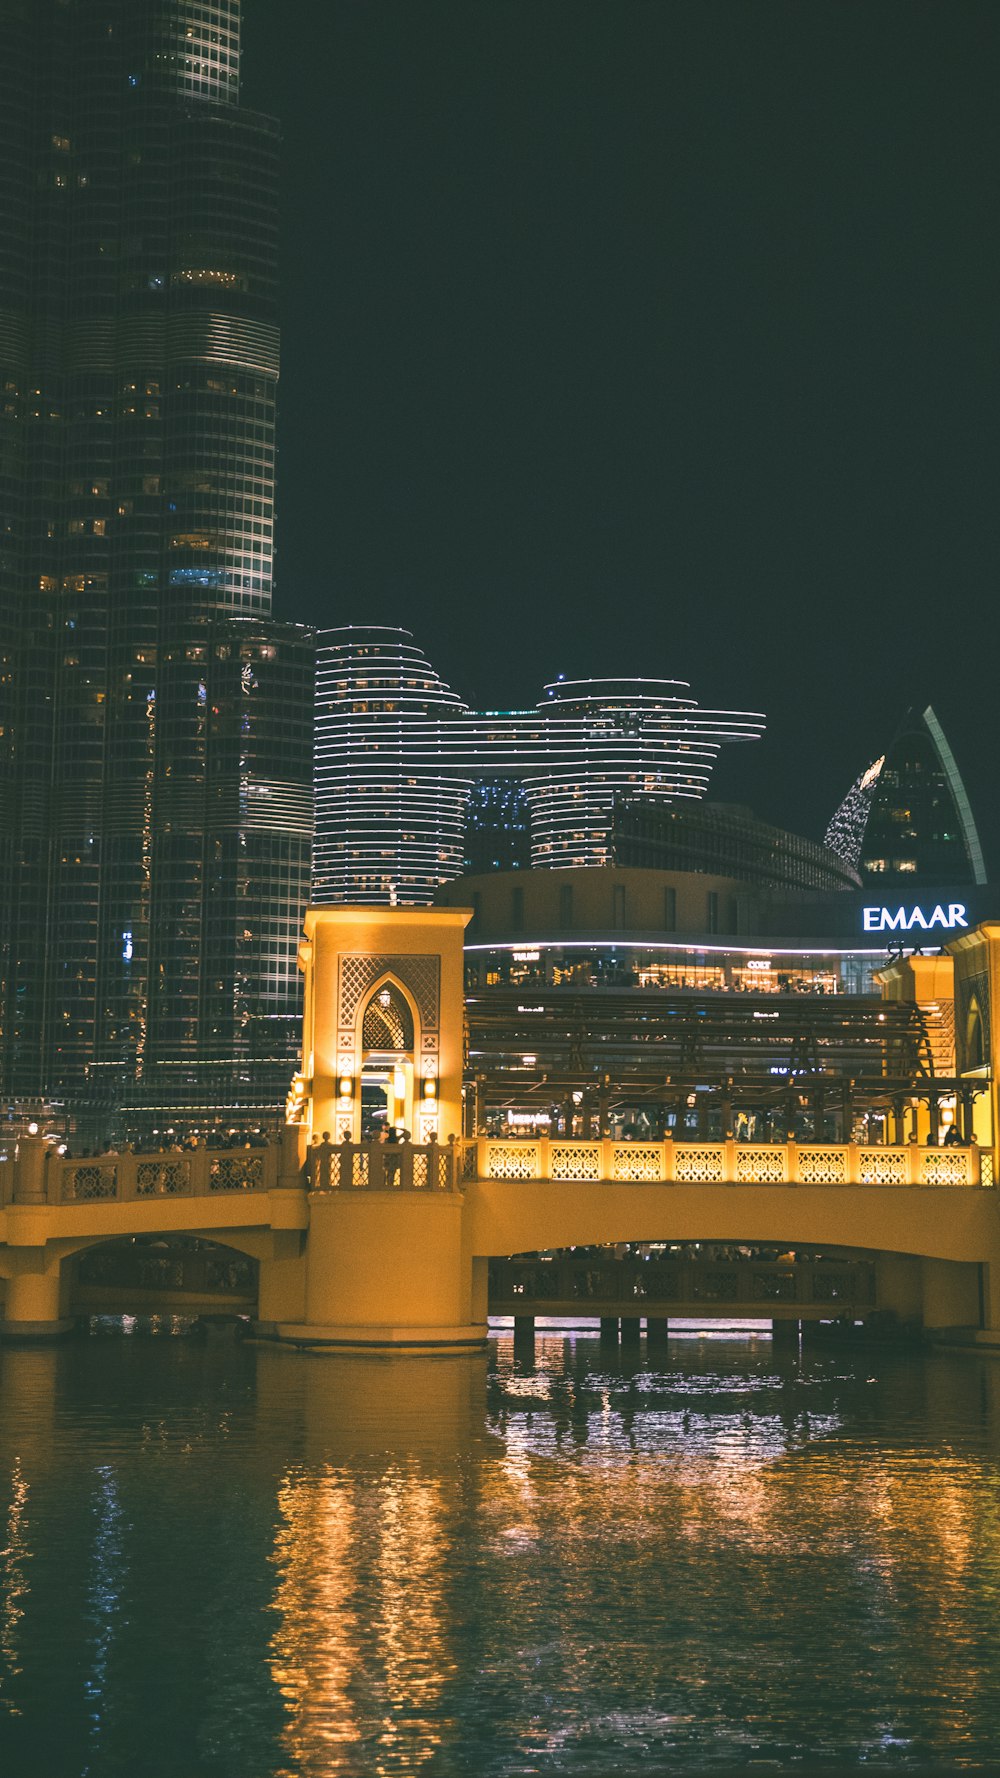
<point>908,818</point>
<point>138,376</point>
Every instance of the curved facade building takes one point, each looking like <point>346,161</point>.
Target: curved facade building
<point>397,752</point>
<point>392,770</point>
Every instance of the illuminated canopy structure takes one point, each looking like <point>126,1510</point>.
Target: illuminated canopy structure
<point>397,752</point>
<point>908,815</point>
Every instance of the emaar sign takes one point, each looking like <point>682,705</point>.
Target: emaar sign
<point>947,916</point>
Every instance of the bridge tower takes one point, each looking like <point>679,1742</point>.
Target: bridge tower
<point>383,1040</point>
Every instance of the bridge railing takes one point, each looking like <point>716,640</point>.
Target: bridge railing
<point>723,1163</point>
<point>111,1178</point>
<point>383,1166</point>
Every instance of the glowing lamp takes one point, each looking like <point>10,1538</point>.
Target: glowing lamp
<point>430,1089</point>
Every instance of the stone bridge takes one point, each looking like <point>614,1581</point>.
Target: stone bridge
<point>366,1245</point>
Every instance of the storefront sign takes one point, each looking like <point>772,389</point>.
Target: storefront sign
<point>948,916</point>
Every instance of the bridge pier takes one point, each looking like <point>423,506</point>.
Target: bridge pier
<point>609,1330</point>
<point>386,1270</point>
<point>657,1334</point>
<point>785,1335</point>
<point>630,1333</point>
<point>524,1339</point>
<point>36,1297</point>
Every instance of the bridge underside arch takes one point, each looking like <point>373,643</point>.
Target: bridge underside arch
<point>940,1224</point>
<point>155,1274</point>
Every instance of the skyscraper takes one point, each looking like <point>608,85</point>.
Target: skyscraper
<point>398,753</point>
<point>155,816</point>
<point>908,816</point>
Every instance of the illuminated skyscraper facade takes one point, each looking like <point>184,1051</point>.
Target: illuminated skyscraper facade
<point>398,753</point>
<point>138,375</point>
<point>908,817</point>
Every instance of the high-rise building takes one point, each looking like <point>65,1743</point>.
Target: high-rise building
<point>398,754</point>
<point>155,811</point>
<point>908,815</point>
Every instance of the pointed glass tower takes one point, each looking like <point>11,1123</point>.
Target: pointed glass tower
<point>908,816</point>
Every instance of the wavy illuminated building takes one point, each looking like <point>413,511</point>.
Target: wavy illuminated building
<point>398,753</point>
<point>155,728</point>
<point>908,816</point>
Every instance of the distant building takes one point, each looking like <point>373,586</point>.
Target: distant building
<point>908,816</point>
<point>724,841</point>
<point>155,730</point>
<point>398,754</point>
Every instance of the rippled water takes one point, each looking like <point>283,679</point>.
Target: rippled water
<point>237,1560</point>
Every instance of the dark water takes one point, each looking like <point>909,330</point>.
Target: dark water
<point>245,1562</point>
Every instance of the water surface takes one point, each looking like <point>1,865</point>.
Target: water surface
<point>239,1561</point>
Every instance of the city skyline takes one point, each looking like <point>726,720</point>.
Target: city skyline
<point>667,332</point>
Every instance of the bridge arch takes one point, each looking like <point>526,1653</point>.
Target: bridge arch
<point>154,1274</point>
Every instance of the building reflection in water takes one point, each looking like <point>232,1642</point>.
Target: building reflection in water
<point>13,1588</point>
<point>365,1555</point>
<point>374,1568</point>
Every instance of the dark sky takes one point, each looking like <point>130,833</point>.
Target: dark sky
<point>651,336</point>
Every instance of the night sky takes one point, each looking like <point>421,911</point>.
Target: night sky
<point>651,336</point>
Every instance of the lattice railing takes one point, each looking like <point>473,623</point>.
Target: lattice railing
<point>236,1173</point>
<point>635,1163</point>
<point>823,1166</point>
<point>162,1179</point>
<point>719,1163</point>
<point>946,1166</point>
<point>512,1160</point>
<point>883,1166</point>
<point>761,1166</point>
<point>575,1160</point>
<point>697,1165</point>
<point>89,1183</point>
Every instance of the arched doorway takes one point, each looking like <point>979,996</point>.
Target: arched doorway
<point>388,1056</point>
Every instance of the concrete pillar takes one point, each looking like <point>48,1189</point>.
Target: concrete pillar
<point>786,1334</point>
<point>35,1301</point>
<point>29,1171</point>
<point>281,1290</point>
<point>386,1269</point>
<point>609,1328</point>
<point>631,1328</point>
<point>524,1339</point>
<point>657,1334</point>
<point>480,1304</point>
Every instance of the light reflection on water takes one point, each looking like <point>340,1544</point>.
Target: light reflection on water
<point>249,1562</point>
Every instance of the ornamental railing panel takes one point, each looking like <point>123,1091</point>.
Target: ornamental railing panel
<point>512,1160</point>
<point>946,1166</point>
<point>575,1160</point>
<point>823,1166</point>
<point>236,1173</point>
<point>162,1179</point>
<point>634,1163</point>
<point>698,1165</point>
<point>761,1166</point>
<point>89,1183</point>
<point>883,1166</point>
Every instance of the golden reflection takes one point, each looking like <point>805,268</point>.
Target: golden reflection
<point>13,1585</point>
<point>362,1652</point>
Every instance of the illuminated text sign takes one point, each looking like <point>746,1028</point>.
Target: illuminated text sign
<point>946,916</point>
